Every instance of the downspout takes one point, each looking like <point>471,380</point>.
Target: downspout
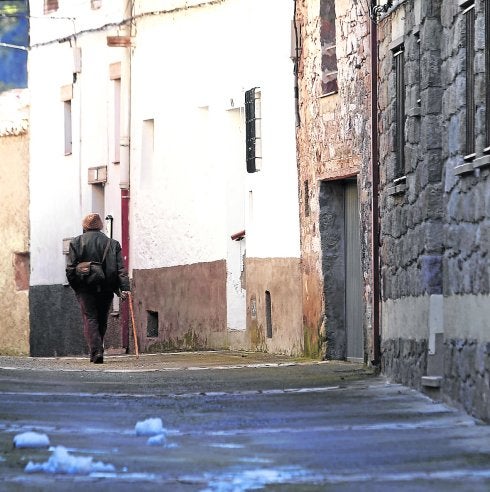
<point>124,180</point>
<point>375,191</point>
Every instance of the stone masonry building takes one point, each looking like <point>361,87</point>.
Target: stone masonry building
<point>434,127</point>
<point>334,156</point>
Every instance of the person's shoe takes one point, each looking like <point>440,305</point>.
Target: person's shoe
<point>98,358</point>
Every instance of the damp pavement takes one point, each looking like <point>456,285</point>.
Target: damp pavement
<point>234,422</point>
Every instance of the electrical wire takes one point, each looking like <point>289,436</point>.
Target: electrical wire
<point>131,20</point>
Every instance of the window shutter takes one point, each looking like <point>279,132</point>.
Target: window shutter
<point>252,129</point>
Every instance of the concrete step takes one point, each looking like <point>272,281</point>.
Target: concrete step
<point>432,381</point>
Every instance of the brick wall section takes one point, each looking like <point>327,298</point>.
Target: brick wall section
<point>333,142</point>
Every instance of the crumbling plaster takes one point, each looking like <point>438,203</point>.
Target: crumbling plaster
<point>333,143</point>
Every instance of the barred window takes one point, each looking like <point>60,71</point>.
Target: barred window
<point>398,54</point>
<point>470,79</point>
<point>253,129</point>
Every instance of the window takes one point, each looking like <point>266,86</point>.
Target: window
<point>470,80</point>
<point>68,127</point>
<point>50,6</point>
<point>21,270</point>
<point>115,76</point>
<point>307,198</point>
<point>398,54</point>
<point>151,324</point>
<point>253,129</point>
<point>328,42</point>
<point>117,120</point>
<point>147,152</point>
<point>268,313</point>
<point>66,97</point>
<point>418,100</point>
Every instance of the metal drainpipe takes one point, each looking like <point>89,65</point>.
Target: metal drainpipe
<point>375,190</point>
<point>124,182</point>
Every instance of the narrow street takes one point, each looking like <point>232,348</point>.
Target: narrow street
<point>234,422</point>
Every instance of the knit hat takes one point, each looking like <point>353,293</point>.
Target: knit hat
<point>92,222</point>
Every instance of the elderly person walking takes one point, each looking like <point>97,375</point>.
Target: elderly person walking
<point>95,291</point>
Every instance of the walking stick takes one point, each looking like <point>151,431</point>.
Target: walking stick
<point>130,298</point>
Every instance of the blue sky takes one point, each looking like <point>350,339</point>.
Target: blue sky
<point>14,29</point>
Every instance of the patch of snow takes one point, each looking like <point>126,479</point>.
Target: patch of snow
<point>149,427</point>
<point>157,440</point>
<point>227,446</point>
<point>31,440</point>
<point>257,479</point>
<point>61,461</point>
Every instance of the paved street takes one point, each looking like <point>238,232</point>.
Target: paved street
<point>234,422</point>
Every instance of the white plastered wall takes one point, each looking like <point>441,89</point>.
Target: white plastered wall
<point>59,191</point>
<point>190,70</point>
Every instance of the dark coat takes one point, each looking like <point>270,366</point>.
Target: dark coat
<point>90,247</point>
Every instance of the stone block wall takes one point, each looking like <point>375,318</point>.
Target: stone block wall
<point>467,375</point>
<point>404,360</point>
<point>467,195</point>
<point>412,231</point>
<point>435,228</point>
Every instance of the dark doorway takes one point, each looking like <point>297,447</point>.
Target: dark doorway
<point>340,240</point>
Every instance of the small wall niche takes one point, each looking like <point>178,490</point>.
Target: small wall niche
<point>151,324</point>
<point>268,313</point>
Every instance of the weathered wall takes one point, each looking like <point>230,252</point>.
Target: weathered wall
<point>466,183</point>
<point>190,301</point>
<point>14,238</point>
<point>281,277</point>
<point>194,192</point>
<point>434,229</point>
<point>411,210</point>
<point>333,143</point>
<point>60,194</point>
<point>56,327</point>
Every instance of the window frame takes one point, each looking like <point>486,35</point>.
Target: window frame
<point>470,105</point>
<point>330,47</point>
<point>400,112</point>
<point>253,137</point>
<point>50,6</point>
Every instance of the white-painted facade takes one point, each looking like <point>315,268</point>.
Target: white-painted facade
<point>190,70</point>
<point>67,69</point>
<point>172,107</point>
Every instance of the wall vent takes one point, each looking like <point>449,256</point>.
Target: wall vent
<point>151,324</point>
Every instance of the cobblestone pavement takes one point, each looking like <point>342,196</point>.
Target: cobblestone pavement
<point>232,422</point>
